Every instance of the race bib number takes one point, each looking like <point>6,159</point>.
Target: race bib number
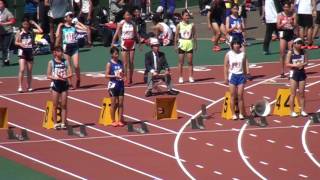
<point>111,85</point>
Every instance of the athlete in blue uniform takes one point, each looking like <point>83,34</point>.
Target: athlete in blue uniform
<point>24,41</point>
<point>115,75</point>
<point>66,33</point>
<point>59,71</point>
<point>235,25</point>
<point>297,60</point>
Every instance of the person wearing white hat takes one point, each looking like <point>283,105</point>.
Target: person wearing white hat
<point>296,61</point>
<point>157,67</point>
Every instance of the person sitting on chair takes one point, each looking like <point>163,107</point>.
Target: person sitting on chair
<point>157,67</point>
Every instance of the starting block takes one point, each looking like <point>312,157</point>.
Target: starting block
<point>204,114</point>
<point>143,129</point>
<point>315,118</point>
<point>105,115</point>
<point>166,108</point>
<point>3,118</point>
<point>282,107</point>
<point>197,123</point>
<point>20,137</point>
<point>81,133</point>
<point>48,121</point>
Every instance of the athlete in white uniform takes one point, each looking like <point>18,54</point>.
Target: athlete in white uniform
<point>235,63</point>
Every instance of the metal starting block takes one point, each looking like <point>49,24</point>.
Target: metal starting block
<point>262,122</point>
<point>315,118</point>
<point>82,132</point>
<point>143,129</point>
<point>204,114</point>
<point>197,123</point>
<point>20,137</point>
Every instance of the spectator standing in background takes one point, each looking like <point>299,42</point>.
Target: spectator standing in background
<point>169,7</point>
<point>57,10</point>
<point>6,31</point>
<point>31,10</point>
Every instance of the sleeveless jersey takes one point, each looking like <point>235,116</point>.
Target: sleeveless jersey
<point>27,39</point>
<point>296,59</point>
<point>69,35</point>
<point>185,30</point>
<point>287,20</point>
<point>167,32</point>
<point>235,22</point>
<point>127,31</point>
<point>236,62</point>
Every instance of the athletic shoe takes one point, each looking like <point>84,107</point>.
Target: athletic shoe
<point>121,124</point>
<point>304,114</point>
<point>148,93</point>
<point>191,80</point>
<point>282,76</point>
<point>114,124</point>
<point>241,116</point>
<point>180,80</point>
<point>216,48</point>
<point>30,89</point>
<point>173,92</point>
<point>294,114</point>
<point>20,90</point>
<point>63,126</point>
<point>234,117</point>
<point>57,126</point>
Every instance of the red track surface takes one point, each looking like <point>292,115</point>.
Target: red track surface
<point>274,152</point>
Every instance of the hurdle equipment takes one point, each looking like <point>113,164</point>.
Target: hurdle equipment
<point>82,132</point>
<point>166,108</point>
<point>197,123</point>
<point>282,107</point>
<point>23,136</point>
<point>105,115</point>
<point>3,118</point>
<point>204,114</point>
<point>143,129</point>
<point>315,118</point>
<point>48,121</point>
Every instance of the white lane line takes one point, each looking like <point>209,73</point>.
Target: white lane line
<point>266,97</point>
<point>277,121</point>
<point>199,166</point>
<point>145,100</point>
<point>271,141</point>
<point>289,147</point>
<point>219,124</point>
<point>247,157</point>
<point>283,169</point>
<point>305,146</point>
<point>217,172</point>
<point>294,126</point>
<point>252,135</point>
<point>314,132</point>
<point>221,84</point>
<point>235,178</point>
<point>191,94</point>
<point>227,150</point>
<point>249,92</point>
<point>307,90</point>
<point>235,129</point>
<point>209,144</point>
<point>303,176</point>
<point>85,151</point>
<point>192,138</point>
<point>42,162</point>
<point>127,116</point>
<point>98,130</point>
<point>264,163</point>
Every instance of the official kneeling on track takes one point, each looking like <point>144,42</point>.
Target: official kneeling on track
<point>157,68</point>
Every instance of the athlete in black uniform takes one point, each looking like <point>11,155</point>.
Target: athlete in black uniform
<point>297,60</point>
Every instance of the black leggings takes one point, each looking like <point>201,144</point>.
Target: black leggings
<point>5,40</point>
<point>270,28</point>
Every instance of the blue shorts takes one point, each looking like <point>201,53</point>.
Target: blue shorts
<point>59,86</point>
<point>237,79</point>
<point>116,88</point>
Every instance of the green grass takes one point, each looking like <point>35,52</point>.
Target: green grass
<point>11,170</point>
